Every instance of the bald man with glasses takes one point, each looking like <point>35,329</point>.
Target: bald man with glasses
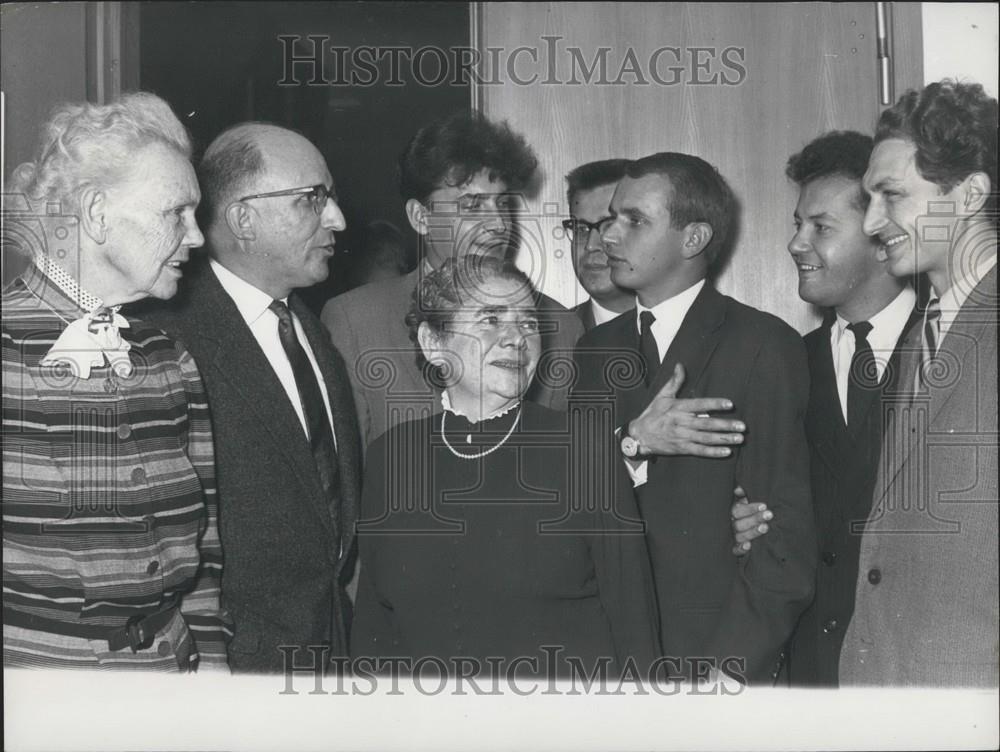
<point>286,434</point>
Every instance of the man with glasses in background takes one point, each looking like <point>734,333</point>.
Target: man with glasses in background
<point>285,429</point>
<point>589,189</point>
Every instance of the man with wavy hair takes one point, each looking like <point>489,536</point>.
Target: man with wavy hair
<point>926,606</point>
<point>461,178</point>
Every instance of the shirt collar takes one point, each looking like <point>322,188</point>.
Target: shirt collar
<point>251,301</point>
<point>671,309</point>
<point>601,314</point>
<point>446,406</point>
<point>888,323</point>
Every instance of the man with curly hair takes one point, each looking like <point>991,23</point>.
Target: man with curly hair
<point>926,606</point>
<point>461,179</point>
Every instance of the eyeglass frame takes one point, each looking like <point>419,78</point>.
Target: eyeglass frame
<point>319,189</point>
<point>570,224</point>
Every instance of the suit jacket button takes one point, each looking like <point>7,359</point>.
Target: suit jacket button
<point>164,648</point>
<point>124,431</point>
<point>829,558</point>
<point>874,576</point>
<point>138,476</point>
<point>830,626</point>
<point>153,566</point>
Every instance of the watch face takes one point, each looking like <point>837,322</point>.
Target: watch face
<point>630,446</point>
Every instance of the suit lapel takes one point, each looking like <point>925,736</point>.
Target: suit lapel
<point>342,407</point>
<point>239,360</point>
<point>972,321</point>
<point>890,376</point>
<point>826,420</point>
<point>966,331</point>
<point>695,342</point>
<point>623,335</point>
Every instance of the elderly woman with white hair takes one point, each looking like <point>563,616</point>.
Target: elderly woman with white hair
<point>111,557</point>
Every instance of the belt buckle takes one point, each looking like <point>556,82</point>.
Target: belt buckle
<point>138,639</point>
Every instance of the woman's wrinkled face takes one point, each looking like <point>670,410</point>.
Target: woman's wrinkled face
<point>490,347</point>
<point>151,227</point>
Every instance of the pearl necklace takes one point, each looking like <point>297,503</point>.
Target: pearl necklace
<point>477,455</point>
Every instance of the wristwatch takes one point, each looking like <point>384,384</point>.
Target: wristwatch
<point>630,447</point>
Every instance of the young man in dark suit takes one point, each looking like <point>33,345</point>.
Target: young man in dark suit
<point>287,451</point>
<point>589,190</point>
<point>671,216</point>
<point>853,358</point>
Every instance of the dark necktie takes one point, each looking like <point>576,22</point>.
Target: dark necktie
<point>862,381</point>
<point>647,346</point>
<point>311,398</point>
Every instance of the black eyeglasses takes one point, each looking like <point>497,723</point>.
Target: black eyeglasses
<point>317,195</point>
<point>580,229</point>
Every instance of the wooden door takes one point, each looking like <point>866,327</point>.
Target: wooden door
<point>743,85</point>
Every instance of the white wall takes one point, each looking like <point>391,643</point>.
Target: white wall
<point>961,41</point>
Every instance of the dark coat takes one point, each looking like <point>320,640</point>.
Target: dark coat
<point>711,603</point>
<point>842,465</point>
<point>586,313</point>
<point>284,573</point>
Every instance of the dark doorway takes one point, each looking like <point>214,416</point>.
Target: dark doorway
<point>224,62</point>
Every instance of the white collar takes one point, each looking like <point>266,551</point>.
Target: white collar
<point>601,314</point>
<point>251,301</point>
<point>888,323</point>
<point>446,406</point>
<point>671,309</point>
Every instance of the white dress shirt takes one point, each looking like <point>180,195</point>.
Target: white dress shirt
<point>601,314</point>
<point>253,305</point>
<point>887,327</point>
<point>669,315</point>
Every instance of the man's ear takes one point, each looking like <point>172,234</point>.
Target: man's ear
<point>697,236</point>
<point>416,212</point>
<point>93,214</point>
<point>977,192</point>
<point>429,343</point>
<point>241,220</point>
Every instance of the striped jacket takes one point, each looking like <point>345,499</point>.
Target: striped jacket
<point>109,506</point>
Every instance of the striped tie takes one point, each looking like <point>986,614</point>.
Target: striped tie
<point>932,335</point>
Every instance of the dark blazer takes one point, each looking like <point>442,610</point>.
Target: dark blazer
<point>368,327</point>
<point>285,570</point>
<point>926,600</point>
<point>713,604</point>
<point>842,466</point>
